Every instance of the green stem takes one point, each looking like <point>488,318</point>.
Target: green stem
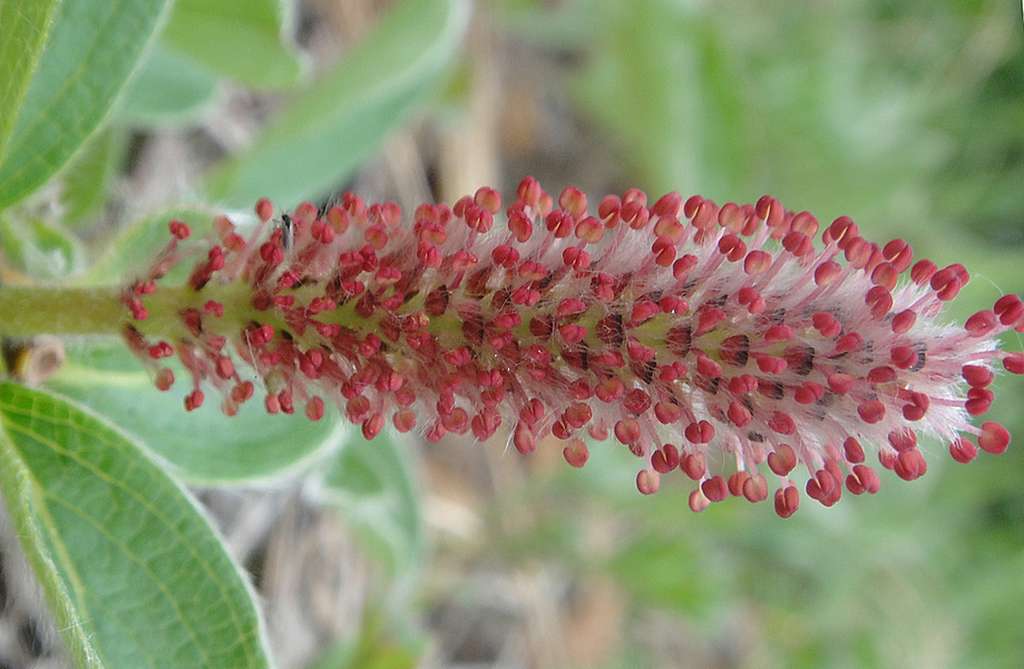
<point>62,310</point>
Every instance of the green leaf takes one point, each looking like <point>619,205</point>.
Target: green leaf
<point>23,30</point>
<point>38,248</point>
<point>202,446</point>
<point>241,40</point>
<point>372,483</point>
<point>338,123</point>
<point>131,569</point>
<point>86,180</point>
<point>92,50</point>
<point>169,88</point>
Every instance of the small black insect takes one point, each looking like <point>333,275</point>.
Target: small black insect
<point>287,231</point>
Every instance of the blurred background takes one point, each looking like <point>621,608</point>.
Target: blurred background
<point>907,116</point>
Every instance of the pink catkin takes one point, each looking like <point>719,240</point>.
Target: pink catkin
<point>686,330</point>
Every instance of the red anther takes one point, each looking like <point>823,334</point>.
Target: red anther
<point>715,489</point>
<point>264,209</point>
<point>797,243</point>
<point>242,392</point>
<point>871,411</point>
<point>574,201</point>
<point>577,415</point>
<point>976,375</point>
<point>610,390</point>
<point>160,350</point>
<point>647,481</point>
<point>1009,308</point>
<point>519,225</point>
<point>858,253</point>
<point>827,272</point>
<point>707,319</point>
<point>849,342</point>
<point>642,312</point>
<point>782,423</point>
<point>899,253</point>
<point>1014,363</point>
<point>488,198</point>
<point>691,205</point>
<point>590,230</point>
<point>805,223</point>
<point>963,450</point>
<point>338,219</point>
<point>668,204</point>
<point>978,401</point>
<point>853,485</point>
<point>682,266</point>
<point>757,261</point>
<point>826,324</point>
<point>697,501</point>
<point>880,301</point>
<point>570,307</point>
<point>868,478</point>
<point>738,414</point>
<point>735,482</point>
<point>701,432</point>
<point>627,431</point>
<point>853,451</point>
<point>923,271</point>
<point>214,308</point>
<point>910,465</point>
<point>667,413</point>
<point>404,420</point>
<point>372,426</point>
<point>576,453</point>
<point>708,367</point>
<point>608,209</point>
<point>840,383</point>
<point>179,229</point>
<point>903,357</point>
<point>787,501</point>
<point>225,368</point>
<point>638,352</point>
<point>315,408</point>
<point>559,223</point>
<point>673,305</point>
<point>529,191</point>
<point>164,379</point>
<point>194,400</point>
<point>769,210</point>
<point>272,404</point>
<point>284,400</point>
<point>884,275</point>
<point>981,323</point>
<point>755,488</point>
<point>903,439</point>
<point>456,421</point>
<point>883,374</point>
<point>693,465</point>
<point>841,231</point>
<point>732,247</point>
<point>742,384</point>
<point>903,321</point>
<point>994,438</point>
<point>665,459</point>
<point>946,283</point>
<point>770,364</point>
<point>782,460</point>
<point>706,216</point>
<point>808,393</point>
<point>636,402</point>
